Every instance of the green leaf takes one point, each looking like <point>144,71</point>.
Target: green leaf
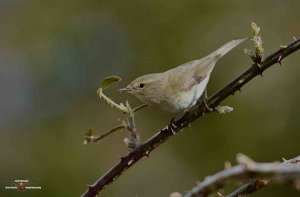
<point>108,81</point>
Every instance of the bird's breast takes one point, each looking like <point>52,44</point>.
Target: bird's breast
<point>185,99</point>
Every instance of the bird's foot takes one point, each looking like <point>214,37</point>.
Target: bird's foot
<point>174,121</point>
<point>206,105</point>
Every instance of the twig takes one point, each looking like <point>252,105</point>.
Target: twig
<point>120,107</point>
<point>139,108</point>
<point>193,114</point>
<point>135,139</point>
<point>249,188</point>
<point>89,137</point>
<point>248,169</point>
<point>128,122</point>
<point>258,54</point>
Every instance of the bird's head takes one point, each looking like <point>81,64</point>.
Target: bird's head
<point>145,87</point>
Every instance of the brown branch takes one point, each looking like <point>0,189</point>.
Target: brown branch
<point>128,123</point>
<point>193,114</point>
<point>89,136</point>
<point>139,108</point>
<point>255,184</point>
<point>134,141</point>
<point>288,171</point>
<point>249,188</point>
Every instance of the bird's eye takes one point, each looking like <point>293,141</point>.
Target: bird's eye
<point>142,85</point>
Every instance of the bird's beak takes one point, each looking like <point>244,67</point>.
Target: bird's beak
<point>127,89</point>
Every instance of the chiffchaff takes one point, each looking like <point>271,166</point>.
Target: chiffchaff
<point>180,88</point>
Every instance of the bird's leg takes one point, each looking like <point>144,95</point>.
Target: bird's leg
<point>219,109</point>
<point>173,122</point>
<point>205,101</point>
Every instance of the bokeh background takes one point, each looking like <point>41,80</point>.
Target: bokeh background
<point>53,54</point>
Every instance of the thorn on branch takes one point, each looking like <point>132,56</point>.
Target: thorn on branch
<point>283,46</point>
<point>260,71</point>
<point>146,154</point>
<point>122,158</point>
<point>90,187</point>
<point>279,59</point>
<point>294,38</point>
<point>130,162</point>
<point>227,165</point>
<point>284,160</point>
<point>245,160</point>
<point>241,81</point>
<point>295,160</point>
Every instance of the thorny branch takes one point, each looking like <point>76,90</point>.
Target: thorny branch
<point>263,173</point>
<point>196,112</point>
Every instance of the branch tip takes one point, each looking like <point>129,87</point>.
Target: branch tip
<point>283,46</point>
<point>258,55</point>
<point>294,38</point>
<point>147,154</point>
<point>283,159</point>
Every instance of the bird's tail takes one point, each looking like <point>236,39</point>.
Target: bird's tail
<point>226,48</point>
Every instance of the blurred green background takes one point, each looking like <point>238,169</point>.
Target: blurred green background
<point>53,54</point>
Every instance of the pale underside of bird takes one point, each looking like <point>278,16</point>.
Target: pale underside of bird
<point>180,88</point>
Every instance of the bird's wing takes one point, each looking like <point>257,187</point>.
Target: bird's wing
<point>187,75</point>
<point>203,67</point>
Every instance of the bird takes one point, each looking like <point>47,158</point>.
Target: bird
<point>178,89</point>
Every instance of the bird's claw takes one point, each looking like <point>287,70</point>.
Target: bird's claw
<point>206,106</point>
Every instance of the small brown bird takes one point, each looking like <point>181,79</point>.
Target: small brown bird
<point>180,88</point>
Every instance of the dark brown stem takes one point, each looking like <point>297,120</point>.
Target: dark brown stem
<point>249,188</point>
<point>193,114</point>
<point>139,108</point>
<point>97,138</point>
